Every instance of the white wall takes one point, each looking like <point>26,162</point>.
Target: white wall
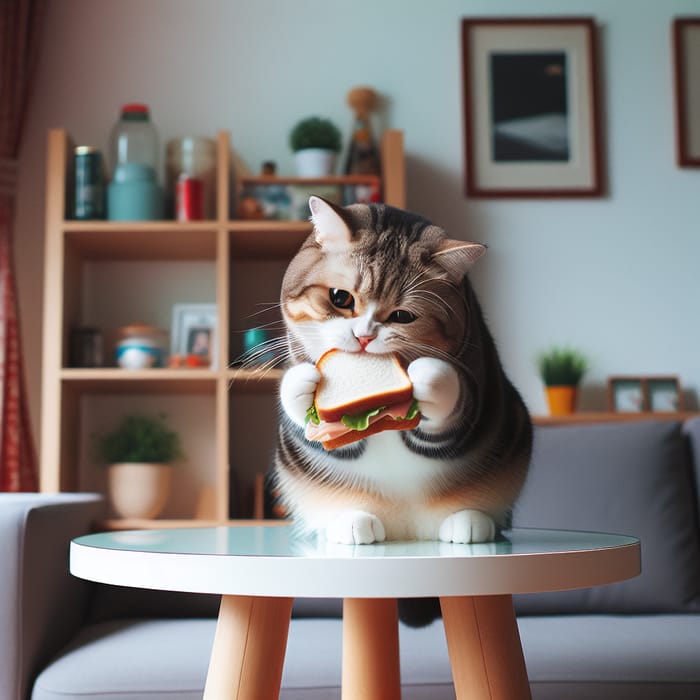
<point>614,276</point>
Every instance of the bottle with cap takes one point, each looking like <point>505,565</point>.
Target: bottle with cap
<point>134,192</point>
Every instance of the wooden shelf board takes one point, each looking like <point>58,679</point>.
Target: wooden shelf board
<point>144,240</point>
<point>610,417</point>
<point>247,381</point>
<point>113,380</point>
<point>267,239</point>
<point>304,181</point>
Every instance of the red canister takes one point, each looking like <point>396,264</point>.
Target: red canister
<point>189,198</point>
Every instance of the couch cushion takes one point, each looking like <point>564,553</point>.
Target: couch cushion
<point>627,478</point>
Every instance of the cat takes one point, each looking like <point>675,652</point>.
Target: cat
<point>374,278</point>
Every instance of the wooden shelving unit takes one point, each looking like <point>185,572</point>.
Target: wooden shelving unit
<point>224,246</point>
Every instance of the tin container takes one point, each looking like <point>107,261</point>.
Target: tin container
<point>189,198</point>
<point>89,197</point>
<point>86,348</point>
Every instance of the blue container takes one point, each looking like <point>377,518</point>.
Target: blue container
<point>134,194</point>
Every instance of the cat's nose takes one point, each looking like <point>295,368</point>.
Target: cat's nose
<point>365,340</point>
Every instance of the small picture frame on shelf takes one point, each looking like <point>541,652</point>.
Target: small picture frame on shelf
<point>664,395</point>
<point>656,394</point>
<point>625,394</point>
<point>193,335</point>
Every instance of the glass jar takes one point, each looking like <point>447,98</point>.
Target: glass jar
<point>190,159</point>
<point>134,192</point>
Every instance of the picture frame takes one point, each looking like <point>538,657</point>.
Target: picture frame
<point>654,394</point>
<point>686,63</point>
<point>193,331</point>
<point>531,113</point>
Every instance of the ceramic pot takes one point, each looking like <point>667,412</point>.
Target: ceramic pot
<point>139,489</point>
<point>561,400</point>
<point>314,162</point>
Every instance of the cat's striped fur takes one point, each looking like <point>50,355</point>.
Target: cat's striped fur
<point>459,472</point>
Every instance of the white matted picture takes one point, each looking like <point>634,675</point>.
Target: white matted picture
<point>194,331</point>
<point>530,107</point>
<point>626,395</point>
<point>664,394</point>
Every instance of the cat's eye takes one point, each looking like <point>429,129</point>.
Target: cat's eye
<point>341,298</point>
<point>401,316</point>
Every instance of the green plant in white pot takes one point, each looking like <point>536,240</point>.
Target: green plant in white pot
<point>140,453</point>
<point>316,143</point>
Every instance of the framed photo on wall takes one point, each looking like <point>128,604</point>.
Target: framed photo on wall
<point>686,62</point>
<point>531,107</point>
<point>193,331</point>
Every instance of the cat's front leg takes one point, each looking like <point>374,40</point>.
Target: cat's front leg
<point>355,527</point>
<point>468,527</point>
<point>297,391</point>
<point>436,387</point>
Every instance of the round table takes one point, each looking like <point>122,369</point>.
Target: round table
<point>260,569</point>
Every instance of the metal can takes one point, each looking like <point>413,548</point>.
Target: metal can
<point>89,199</point>
<point>189,198</point>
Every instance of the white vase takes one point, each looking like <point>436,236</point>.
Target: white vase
<point>139,489</point>
<point>314,162</point>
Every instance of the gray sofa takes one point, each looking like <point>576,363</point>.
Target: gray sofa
<point>68,639</point>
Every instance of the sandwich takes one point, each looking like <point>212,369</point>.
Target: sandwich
<point>359,394</point>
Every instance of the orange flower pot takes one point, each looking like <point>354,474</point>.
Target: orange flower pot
<point>561,400</point>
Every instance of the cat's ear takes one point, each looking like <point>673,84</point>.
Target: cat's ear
<point>458,256</point>
<point>331,231</point>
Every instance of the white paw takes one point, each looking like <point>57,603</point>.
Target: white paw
<point>436,388</point>
<point>297,391</point>
<point>467,526</point>
<point>355,527</point>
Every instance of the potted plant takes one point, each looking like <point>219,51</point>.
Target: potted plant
<point>561,370</point>
<point>315,142</point>
<point>139,452</point>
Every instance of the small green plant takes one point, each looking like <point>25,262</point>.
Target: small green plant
<point>315,132</point>
<point>562,367</point>
<point>140,439</point>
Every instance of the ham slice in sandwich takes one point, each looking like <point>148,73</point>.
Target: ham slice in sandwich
<point>359,394</point>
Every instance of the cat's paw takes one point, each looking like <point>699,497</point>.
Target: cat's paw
<point>297,391</point>
<point>467,526</point>
<point>355,527</point>
<point>436,388</point>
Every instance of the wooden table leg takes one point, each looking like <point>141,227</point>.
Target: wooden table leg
<point>485,651</point>
<point>249,646</point>
<point>371,649</point>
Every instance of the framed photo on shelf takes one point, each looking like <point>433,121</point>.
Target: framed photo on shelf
<point>531,107</point>
<point>686,63</point>
<point>193,331</point>
<point>660,394</point>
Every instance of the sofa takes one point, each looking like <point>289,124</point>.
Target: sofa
<point>69,639</point>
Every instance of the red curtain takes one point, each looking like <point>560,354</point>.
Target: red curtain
<point>20,29</point>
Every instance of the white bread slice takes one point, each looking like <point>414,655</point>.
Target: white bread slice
<point>354,382</point>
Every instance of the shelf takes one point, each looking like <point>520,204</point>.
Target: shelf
<point>264,239</point>
<point>252,180</point>
<point>582,417</point>
<point>142,240</point>
<point>114,380</point>
<point>248,381</point>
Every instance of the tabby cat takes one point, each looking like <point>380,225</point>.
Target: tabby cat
<point>377,279</point>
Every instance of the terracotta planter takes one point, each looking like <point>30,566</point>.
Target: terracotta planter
<point>561,400</point>
<point>139,489</point>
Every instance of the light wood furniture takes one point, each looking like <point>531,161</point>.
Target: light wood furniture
<point>225,245</point>
<point>258,570</point>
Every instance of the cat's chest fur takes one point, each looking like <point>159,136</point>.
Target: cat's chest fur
<point>388,467</point>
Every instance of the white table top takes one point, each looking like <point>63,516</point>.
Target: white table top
<point>273,561</point>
